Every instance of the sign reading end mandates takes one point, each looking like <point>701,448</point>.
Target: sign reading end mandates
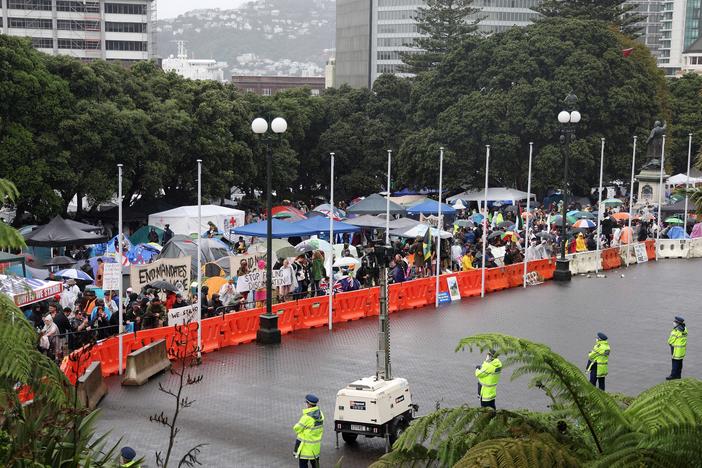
<point>173,270</point>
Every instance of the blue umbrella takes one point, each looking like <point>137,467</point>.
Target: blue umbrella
<point>74,274</point>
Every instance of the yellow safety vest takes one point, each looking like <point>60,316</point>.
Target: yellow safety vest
<point>309,430</point>
<point>489,376</point>
<point>600,356</point>
<point>678,342</point>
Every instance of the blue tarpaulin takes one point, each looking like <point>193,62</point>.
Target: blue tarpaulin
<point>281,229</point>
<point>431,207</point>
<point>320,225</point>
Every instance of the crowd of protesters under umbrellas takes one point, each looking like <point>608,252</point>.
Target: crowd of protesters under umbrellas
<point>78,315</point>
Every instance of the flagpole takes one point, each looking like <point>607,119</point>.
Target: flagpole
<point>331,240</point>
<point>199,258</point>
<point>631,198</point>
<point>439,225</point>
<point>660,197</point>
<point>526,228</point>
<point>387,203</point>
<point>687,182</point>
<point>487,168</point>
<point>599,206</point>
<point>119,262</point>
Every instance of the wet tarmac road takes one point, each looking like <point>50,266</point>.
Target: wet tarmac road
<point>251,395</point>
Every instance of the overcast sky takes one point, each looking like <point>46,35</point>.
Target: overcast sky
<point>173,8</point>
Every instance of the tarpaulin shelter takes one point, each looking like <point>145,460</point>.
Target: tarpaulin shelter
<point>280,229</point>
<point>375,204</point>
<point>184,220</point>
<point>321,225</point>
<point>431,207</point>
<point>26,291</point>
<point>58,233</point>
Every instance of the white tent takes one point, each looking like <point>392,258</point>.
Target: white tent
<point>494,194</point>
<point>183,220</point>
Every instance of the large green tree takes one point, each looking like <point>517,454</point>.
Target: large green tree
<point>443,25</point>
<point>619,13</point>
<point>584,426</point>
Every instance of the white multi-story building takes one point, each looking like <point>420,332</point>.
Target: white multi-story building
<point>194,69</point>
<point>120,30</point>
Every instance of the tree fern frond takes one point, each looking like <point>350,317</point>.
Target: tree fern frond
<point>531,452</point>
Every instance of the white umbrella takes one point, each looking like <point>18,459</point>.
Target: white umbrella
<point>347,262</point>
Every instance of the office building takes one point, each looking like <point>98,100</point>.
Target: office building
<point>371,35</point>
<point>89,30</point>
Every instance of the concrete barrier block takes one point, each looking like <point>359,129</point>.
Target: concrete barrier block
<point>91,386</point>
<point>146,362</point>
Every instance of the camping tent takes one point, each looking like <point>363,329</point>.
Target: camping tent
<point>374,204</point>
<point>25,291</point>
<point>59,233</point>
<point>502,194</point>
<point>183,220</point>
<point>431,207</point>
<point>212,249</point>
<point>280,229</point>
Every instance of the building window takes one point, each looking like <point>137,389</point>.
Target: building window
<point>266,91</point>
<point>80,44</point>
<point>127,45</point>
<point>43,42</point>
<point>78,7</point>
<point>125,27</point>
<point>125,9</point>
<point>29,23</point>
<point>77,25</point>
<point>44,5</point>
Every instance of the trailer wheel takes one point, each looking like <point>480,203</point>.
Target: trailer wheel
<point>348,437</point>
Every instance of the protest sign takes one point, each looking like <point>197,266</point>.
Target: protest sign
<point>111,276</point>
<point>182,315</point>
<point>257,280</point>
<point>173,270</point>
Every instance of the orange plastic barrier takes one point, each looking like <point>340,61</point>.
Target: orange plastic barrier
<point>351,305</point>
<point>651,249</point>
<point>611,259</point>
<point>496,279</point>
<point>313,312</point>
<point>470,283</point>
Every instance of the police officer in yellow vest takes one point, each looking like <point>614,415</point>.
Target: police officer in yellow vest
<point>678,342</point>
<point>597,361</point>
<point>488,377</point>
<point>309,430</point>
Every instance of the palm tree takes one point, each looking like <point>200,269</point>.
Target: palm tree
<point>584,427</point>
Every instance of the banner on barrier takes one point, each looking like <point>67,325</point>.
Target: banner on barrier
<point>257,280</point>
<point>453,290</point>
<point>640,251</point>
<point>182,315</point>
<point>172,270</point>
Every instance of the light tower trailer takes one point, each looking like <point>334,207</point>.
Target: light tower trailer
<point>376,406</point>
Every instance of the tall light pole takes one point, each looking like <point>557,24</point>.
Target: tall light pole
<point>568,119</point>
<point>331,240</point>
<point>268,332</point>
<point>439,225</point>
<point>528,215</point>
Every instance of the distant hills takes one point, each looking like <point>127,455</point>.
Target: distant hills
<point>271,37</point>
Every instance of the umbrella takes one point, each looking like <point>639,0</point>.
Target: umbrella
<point>621,216</point>
<point>311,245</point>
<point>60,261</point>
<point>506,224</point>
<point>464,223</point>
<point>584,223</point>
<point>673,220</point>
<point>347,262</point>
<point>612,202</point>
<point>74,274</point>
<point>163,285</point>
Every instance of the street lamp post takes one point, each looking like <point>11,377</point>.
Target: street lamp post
<point>568,119</point>
<point>268,332</point>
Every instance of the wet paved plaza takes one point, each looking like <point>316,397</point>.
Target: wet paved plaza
<point>251,396</point>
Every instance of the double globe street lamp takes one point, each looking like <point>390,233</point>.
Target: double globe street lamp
<point>268,332</point>
<point>568,119</point>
